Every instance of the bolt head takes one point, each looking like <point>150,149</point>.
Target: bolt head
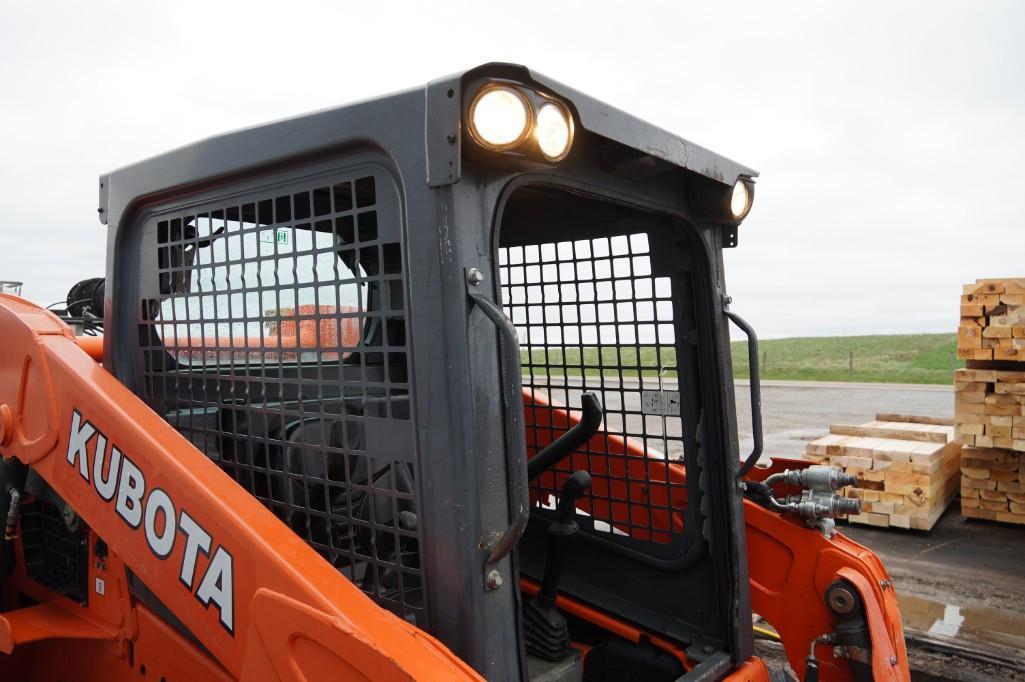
<point>708,649</point>
<point>493,579</point>
<point>893,660</point>
<point>841,600</point>
<point>474,276</point>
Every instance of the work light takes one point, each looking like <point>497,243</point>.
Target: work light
<point>499,117</point>
<point>740,199</point>
<point>553,131</point>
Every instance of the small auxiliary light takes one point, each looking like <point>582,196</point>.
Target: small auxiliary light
<point>740,199</point>
<point>553,131</point>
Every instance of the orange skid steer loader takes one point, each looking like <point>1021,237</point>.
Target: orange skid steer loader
<point>433,386</point>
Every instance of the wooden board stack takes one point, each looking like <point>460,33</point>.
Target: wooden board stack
<point>907,467</point>
<point>992,320</point>
<point>989,400</point>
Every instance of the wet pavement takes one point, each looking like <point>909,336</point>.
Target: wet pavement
<point>961,588</point>
<point>961,585</point>
<point>980,624</point>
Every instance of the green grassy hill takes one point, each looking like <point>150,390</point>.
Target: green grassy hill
<point>905,358</point>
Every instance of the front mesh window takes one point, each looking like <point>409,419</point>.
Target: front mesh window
<point>605,309</point>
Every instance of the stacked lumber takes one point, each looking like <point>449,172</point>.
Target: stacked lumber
<point>993,484</point>
<point>907,467</point>
<point>989,408</point>
<point>992,320</point>
<point>989,400</point>
<point>989,412</point>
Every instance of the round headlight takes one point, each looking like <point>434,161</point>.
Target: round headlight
<point>554,131</point>
<point>499,117</point>
<point>740,200</point>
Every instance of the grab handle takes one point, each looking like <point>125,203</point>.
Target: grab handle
<point>756,392</point>
<point>515,438</point>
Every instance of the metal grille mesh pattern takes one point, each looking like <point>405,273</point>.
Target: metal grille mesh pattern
<point>277,345</point>
<point>55,557</point>
<point>592,316</point>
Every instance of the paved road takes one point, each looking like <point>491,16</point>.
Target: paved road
<point>795,412</point>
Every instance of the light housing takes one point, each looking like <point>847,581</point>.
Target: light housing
<point>500,117</point>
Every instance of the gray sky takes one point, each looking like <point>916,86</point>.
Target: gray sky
<point>887,134</point>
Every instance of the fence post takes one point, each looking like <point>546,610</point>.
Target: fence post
<point>850,363</point>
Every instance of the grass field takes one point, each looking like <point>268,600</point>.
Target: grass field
<point>905,359</point>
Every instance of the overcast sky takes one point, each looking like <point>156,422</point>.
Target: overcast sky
<point>888,135</point>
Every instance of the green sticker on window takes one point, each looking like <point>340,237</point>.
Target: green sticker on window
<point>277,236</point>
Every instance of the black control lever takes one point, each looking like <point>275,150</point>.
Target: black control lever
<point>545,632</point>
<point>570,441</point>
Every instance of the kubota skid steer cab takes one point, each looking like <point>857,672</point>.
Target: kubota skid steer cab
<point>435,385</point>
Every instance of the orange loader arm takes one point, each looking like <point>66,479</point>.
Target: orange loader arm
<point>251,592</point>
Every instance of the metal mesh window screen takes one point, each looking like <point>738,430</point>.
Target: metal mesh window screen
<point>55,556</point>
<point>593,316</point>
<point>275,340</point>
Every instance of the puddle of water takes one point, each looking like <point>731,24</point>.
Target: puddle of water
<point>978,624</point>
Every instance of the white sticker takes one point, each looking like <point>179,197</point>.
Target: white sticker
<point>665,403</point>
<point>100,586</point>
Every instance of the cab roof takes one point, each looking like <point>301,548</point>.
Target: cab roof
<point>219,157</point>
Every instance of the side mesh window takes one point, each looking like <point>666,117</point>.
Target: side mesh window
<point>273,335</point>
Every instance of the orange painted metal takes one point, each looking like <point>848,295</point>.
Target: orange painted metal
<point>156,651</point>
<point>294,616</point>
<point>281,587</point>
<point>609,623</point>
<point>790,565</point>
<point>92,345</point>
<point>753,670</point>
<point>46,621</point>
<point>622,492</point>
